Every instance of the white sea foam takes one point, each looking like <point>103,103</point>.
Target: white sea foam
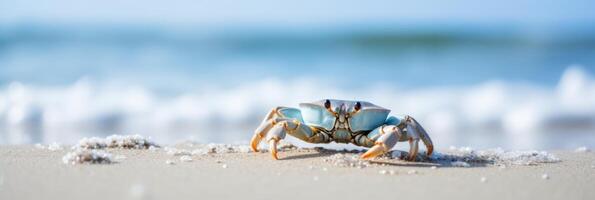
<point>54,147</point>
<point>466,157</point>
<point>582,149</point>
<point>120,157</point>
<point>516,113</point>
<point>205,149</point>
<point>116,141</point>
<point>347,160</point>
<point>177,152</point>
<point>456,157</point>
<point>222,148</point>
<point>186,159</point>
<point>82,156</point>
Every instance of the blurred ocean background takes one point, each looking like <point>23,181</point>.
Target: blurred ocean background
<point>492,74</point>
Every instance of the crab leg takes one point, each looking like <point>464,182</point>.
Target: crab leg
<point>273,147</point>
<point>260,133</point>
<point>267,123</point>
<point>413,149</point>
<point>295,128</point>
<point>385,138</point>
<point>419,132</point>
<point>281,121</point>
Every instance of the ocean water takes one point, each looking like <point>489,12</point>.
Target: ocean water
<point>468,86</point>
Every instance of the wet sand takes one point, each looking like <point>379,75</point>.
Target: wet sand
<point>27,172</point>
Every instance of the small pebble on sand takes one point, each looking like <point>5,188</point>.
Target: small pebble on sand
<point>545,177</point>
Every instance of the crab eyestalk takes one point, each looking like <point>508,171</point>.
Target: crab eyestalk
<point>327,105</point>
<point>356,108</point>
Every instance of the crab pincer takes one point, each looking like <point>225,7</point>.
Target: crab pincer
<point>387,139</point>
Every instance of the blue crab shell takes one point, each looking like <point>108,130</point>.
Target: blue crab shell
<point>291,113</point>
<point>369,117</point>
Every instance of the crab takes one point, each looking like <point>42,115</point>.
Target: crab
<point>357,122</point>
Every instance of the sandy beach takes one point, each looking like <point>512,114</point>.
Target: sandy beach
<point>30,172</point>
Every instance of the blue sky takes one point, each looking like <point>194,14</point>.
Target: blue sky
<point>306,12</point>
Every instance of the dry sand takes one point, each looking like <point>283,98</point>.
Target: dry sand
<point>27,172</point>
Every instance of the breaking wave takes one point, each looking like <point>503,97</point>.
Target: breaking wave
<point>491,114</point>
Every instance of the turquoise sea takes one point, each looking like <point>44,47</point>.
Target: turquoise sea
<point>470,85</point>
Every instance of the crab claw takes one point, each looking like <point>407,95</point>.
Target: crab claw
<point>273,148</point>
<point>255,141</point>
<point>378,149</point>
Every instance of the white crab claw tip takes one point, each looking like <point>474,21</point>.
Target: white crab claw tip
<point>254,142</point>
<point>376,150</point>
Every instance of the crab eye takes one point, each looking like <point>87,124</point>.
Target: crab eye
<point>327,104</point>
<point>357,106</point>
